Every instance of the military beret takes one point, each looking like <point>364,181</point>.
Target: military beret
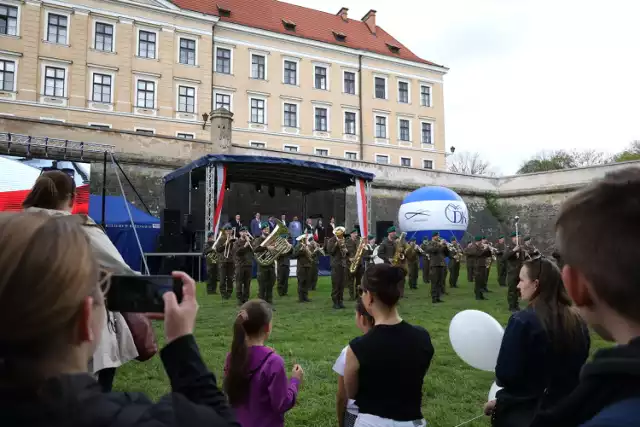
<point>391,229</point>
<point>500,237</point>
<point>513,234</point>
<point>435,233</point>
<point>413,239</point>
<point>484,237</point>
<point>453,238</point>
<point>227,227</point>
<point>526,239</point>
<point>355,230</point>
<point>425,238</point>
<point>211,234</point>
<point>478,238</point>
<point>243,228</point>
<point>371,236</point>
<point>264,225</point>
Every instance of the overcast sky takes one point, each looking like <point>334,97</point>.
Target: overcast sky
<point>525,75</point>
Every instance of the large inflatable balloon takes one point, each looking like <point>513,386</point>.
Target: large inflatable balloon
<point>430,209</point>
<point>476,338</point>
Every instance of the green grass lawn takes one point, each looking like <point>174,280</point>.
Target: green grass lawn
<point>313,336</point>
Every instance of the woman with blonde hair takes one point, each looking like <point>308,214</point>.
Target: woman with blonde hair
<point>53,194</point>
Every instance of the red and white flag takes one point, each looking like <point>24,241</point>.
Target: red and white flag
<point>361,197</point>
<point>221,171</point>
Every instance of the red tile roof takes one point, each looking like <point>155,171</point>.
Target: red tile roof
<point>309,24</point>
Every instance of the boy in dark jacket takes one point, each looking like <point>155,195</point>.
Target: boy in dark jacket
<point>604,283</point>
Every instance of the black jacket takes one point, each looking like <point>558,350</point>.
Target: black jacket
<point>77,400</point>
<point>612,377</point>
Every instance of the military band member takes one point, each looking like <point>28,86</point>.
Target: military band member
<point>480,252</point>
<point>266,273</point>
<point>514,257</point>
<point>454,262</point>
<point>305,258</point>
<point>426,268</point>
<point>284,268</point>
<point>502,264</point>
<point>413,263</point>
<point>368,251</point>
<point>353,280</point>
<point>243,261</point>
<point>336,248</point>
<point>388,246</point>
<point>470,261</point>
<point>212,264</point>
<point>531,250</point>
<point>224,248</point>
<point>314,246</point>
<point>487,260</point>
<point>438,251</point>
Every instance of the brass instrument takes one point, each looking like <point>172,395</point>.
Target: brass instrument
<point>317,248</point>
<point>305,247</point>
<point>281,244</point>
<point>342,246</point>
<point>212,256</point>
<point>357,259</point>
<point>228,244</point>
<point>398,256</point>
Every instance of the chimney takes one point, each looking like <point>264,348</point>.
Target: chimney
<point>221,127</point>
<point>370,20</point>
<point>344,14</point>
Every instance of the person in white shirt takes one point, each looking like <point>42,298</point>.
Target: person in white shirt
<point>346,409</point>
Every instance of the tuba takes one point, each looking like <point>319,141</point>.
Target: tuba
<point>398,255</point>
<point>268,257</point>
<point>357,259</point>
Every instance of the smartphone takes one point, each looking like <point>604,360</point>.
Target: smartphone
<point>141,294</point>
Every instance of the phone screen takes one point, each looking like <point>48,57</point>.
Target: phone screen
<point>141,294</point>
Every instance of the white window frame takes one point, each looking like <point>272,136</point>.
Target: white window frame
<point>265,55</point>
<point>351,152</point>
<point>328,150</point>
<point>55,64</point>
<point>46,25</point>
<point>433,164</point>
<point>327,68</point>
<point>266,109</point>
<point>325,107</point>
<point>138,128</point>
<point>192,39</point>
<point>284,148</point>
<point>217,92</point>
<point>264,145</point>
<point>375,159</point>
<point>215,59</point>
<point>157,44</point>
<point>407,158</point>
<point>135,92</point>
<point>91,124</point>
<point>113,86</point>
<point>114,24</point>
<point>192,134</point>
<point>402,141</point>
<point>297,61</point>
<point>378,140</point>
<point>19,7</point>
<point>298,106</point>
<point>15,60</point>
<point>195,99</point>
<point>408,82</point>
<point>357,77</point>
<point>386,86</point>
<point>344,114</point>
<point>433,134</point>
<point>52,119</point>
<point>430,86</point>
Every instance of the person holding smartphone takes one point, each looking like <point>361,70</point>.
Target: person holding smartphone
<point>46,341</point>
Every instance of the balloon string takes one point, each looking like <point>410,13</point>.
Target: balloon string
<point>468,421</point>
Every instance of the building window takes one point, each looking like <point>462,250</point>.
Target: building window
<point>7,75</point>
<point>321,78</point>
<point>253,144</point>
<point>57,29</point>
<point>381,88</point>
<point>425,96</point>
<point>290,73</point>
<point>349,82</point>
<point>54,81</point>
<point>98,126</point>
<point>101,88</point>
<point>426,133</point>
<point>291,148</point>
<point>145,131</point>
<point>147,44</point>
<point>187,52</point>
<point>181,135</point>
<point>146,94</point>
<point>258,67</point>
<point>427,164</point>
<point>104,37</point>
<point>405,134</point>
<point>321,119</point>
<point>322,152</point>
<point>8,20</point>
<point>382,159</point>
<point>291,115</point>
<point>186,99</point>
<point>351,155</point>
<point>350,123</point>
<point>223,101</point>
<point>381,127</point>
<point>257,111</point>
<point>403,92</point>
<point>223,61</point>
<point>405,161</point>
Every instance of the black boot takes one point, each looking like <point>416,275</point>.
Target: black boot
<point>480,297</point>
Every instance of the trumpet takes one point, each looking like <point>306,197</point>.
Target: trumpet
<point>342,246</point>
<point>228,244</point>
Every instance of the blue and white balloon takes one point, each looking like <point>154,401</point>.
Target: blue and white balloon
<point>430,209</point>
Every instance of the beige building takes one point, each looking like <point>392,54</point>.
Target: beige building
<point>296,79</point>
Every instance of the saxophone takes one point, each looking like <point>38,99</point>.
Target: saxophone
<point>398,256</point>
<point>357,259</point>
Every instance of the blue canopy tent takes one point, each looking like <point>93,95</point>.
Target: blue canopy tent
<point>118,227</point>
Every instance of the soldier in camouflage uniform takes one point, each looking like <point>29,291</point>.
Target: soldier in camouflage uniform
<point>225,262</point>
<point>413,263</point>
<point>502,264</point>
<point>266,273</point>
<point>426,269</point>
<point>388,246</point>
<point>481,253</point>
<point>514,257</point>
<point>212,264</point>
<point>353,280</point>
<point>368,251</point>
<point>305,258</point>
<point>243,262</point>
<point>438,251</point>
<point>339,269</point>
<point>454,263</point>
<point>284,268</point>
<point>471,261</point>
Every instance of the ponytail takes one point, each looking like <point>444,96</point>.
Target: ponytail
<point>50,190</point>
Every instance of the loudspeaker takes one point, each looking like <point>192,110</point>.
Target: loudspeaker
<point>187,222</point>
<point>170,220</point>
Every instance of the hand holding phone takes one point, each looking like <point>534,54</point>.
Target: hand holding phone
<point>180,319</point>
<point>141,294</point>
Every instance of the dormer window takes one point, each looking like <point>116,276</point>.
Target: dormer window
<point>223,11</point>
<point>393,48</point>
<point>341,37</point>
<point>289,25</point>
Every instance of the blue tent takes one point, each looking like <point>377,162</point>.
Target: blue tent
<point>118,227</point>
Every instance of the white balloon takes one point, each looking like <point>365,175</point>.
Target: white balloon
<point>493,390</point>
<point>476,338</point>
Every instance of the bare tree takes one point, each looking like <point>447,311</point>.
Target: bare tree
<point>589,157</point>
<point>469,164</point>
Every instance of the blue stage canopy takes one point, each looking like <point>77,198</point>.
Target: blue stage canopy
<point>295,174</point>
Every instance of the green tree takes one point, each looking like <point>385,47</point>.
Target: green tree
<point>561,159</point>
<point>631,153</point>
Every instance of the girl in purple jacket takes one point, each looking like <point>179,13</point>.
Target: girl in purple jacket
<point>255,381</point>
